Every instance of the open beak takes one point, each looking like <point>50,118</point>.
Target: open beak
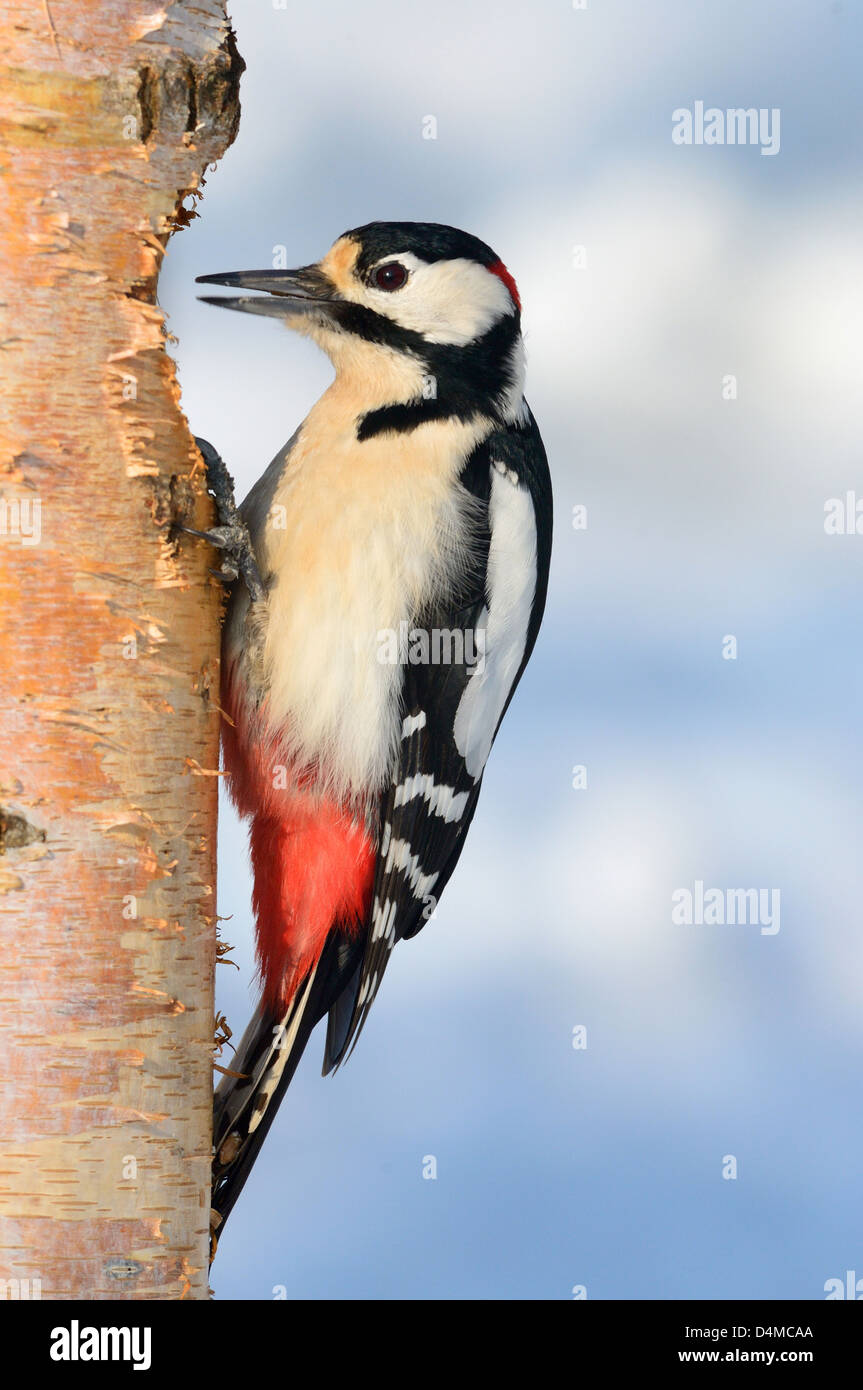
<point>302,291</point>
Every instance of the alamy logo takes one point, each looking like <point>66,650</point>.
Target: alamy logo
<point>21,517</point>
<point>17,1290</point>
<point>736,126</point>
<point>709,907</point>
<point>436,646</point>
<point>843,516</point>
<point>77,1343</point>
<point>850,1287</point>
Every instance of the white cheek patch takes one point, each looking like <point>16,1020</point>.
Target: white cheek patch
<point>447,301</point>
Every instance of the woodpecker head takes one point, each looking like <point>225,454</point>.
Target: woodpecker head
<point>435,302</point>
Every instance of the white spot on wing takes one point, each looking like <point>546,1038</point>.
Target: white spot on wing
<point>412,722</point>
<point>442,801</point>
<point>383,920</point>
<point>401,858</point>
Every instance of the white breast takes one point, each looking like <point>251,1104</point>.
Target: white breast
<point>358,537</point>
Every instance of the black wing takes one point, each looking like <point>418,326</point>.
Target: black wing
<point>452,711</point>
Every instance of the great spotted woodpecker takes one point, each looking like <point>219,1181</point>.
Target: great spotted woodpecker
<point>396,556</point>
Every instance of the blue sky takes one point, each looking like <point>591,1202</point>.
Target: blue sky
<point>599,1167</point>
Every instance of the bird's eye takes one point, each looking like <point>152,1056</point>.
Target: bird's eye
<point>390,276</point>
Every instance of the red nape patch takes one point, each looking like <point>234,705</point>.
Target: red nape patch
<point>499,269</point>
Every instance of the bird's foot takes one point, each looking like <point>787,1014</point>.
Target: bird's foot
<point>231,536</point>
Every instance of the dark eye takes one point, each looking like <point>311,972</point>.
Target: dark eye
<point>390,276</point>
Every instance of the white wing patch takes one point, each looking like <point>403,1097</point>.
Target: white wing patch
<point>442,801</point>
<point>511,585</point>
<point>384,922</point>
<point>412,722</point>
<point>399,856</point>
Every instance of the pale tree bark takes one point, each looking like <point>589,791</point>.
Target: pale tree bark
<point>109,113</point>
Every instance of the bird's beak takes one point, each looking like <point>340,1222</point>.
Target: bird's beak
<point>302,291</point>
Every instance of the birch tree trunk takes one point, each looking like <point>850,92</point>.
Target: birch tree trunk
<point>109,113</point>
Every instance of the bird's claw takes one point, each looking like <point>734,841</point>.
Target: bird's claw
<point>231,535</point>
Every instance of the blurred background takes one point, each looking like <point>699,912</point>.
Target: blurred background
<point>693,323</point>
